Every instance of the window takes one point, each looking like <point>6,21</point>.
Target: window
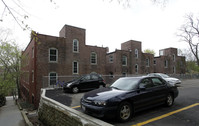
<point>154,62</point>
<point>174,70</point>
<point>111,76</point>
<point>75,67</point>
<point>166,63</point>
<point>94,77</point>
<point>124,74</point>
<point>136,68</point>
<point>110,59</point>
<point>87,77</point>
<point>174,58</point>
<point>124,61</point>
<point>157,82</point>
<point>136,53</point>
<point>147,62</point>
<point>146,83</point>
<point>93,58</point>
<point>75,45</point>
<point>161,52</point>
<point>53,78</point>
<point>53,55</point>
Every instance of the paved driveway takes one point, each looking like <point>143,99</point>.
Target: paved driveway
<point>10,114</point>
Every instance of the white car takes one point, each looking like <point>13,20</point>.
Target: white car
<point>170,80</point>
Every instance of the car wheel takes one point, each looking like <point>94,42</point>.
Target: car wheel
<point>169,100</point>
<point>75,89</point>
<point>124,112</point>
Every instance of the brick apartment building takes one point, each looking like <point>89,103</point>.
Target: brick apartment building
<point>68,55</point>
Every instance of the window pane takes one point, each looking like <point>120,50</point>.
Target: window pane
<point>124,60</point>
<point>75,45</point>
<point>75,67</point>
<point>136,53</point>
<point>53,55</point>
<point>157,82</point>
<point>93,58</point>
<point>53,78</point>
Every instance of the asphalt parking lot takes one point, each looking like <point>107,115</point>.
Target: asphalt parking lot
<point>184,112</point>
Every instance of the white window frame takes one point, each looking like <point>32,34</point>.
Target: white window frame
<point>56,55</point>
<point>111,59</point>
<point>77,67</point>
<point>161,52</point>
<point>147,62</point>
<point>124,58</point>
<point>174,70</point>
<point>165,63</point>
<point>75,51</point>
<point>52,76</point>
<point>174,57</point>
<point>95,58</point>
<point>136,53</point>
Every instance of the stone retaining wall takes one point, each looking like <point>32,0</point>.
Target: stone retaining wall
<point>53,113</point>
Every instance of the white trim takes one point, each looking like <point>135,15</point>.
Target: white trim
<point>147,62</point>
<point>77,67</point>
<point>125,58</point>
<point>95,58</point>
<point>50,76</point>
<point>56,55</point>
<point>75,40</point>
<point>136,53</point>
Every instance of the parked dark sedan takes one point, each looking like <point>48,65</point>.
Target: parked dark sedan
<point>128,95</point>
<point>86,82</point>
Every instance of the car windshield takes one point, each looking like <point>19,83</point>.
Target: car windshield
<point>125,84</point>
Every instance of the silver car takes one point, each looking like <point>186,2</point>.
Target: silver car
<point>171,80</point>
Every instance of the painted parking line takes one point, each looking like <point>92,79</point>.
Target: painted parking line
<point>76,107</point>
<point>165,115</point>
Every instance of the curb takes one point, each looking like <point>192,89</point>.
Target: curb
<point>28,123</point>
<point>24,114</point>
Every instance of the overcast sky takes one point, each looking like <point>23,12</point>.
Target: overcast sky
<point>107,24</point>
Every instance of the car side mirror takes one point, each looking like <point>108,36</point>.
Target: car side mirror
<point>142,88</point>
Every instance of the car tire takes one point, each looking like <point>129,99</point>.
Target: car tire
<point>169,100</point>
<point>75,89</point>
<point>124,112</point>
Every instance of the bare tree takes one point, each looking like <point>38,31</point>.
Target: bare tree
<point>126,3</point>
<point>189,33</point>
<point>17,11</point>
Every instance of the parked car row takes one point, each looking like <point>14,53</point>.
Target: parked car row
<point>125,96</point>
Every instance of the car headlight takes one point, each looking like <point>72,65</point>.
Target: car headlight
<point>69,84</point>
<point>171,82</point>
<point>100,103</point>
